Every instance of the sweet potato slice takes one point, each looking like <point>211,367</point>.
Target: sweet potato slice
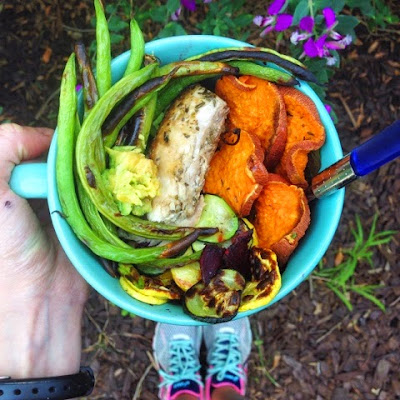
<point>237,173</point>
<point>256,106</point>
<point>305,133</point>
<point>282,217</point>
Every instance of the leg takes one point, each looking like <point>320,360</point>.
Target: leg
<point>226,393</point>
<point>176,350</point>
<point>186,397</point>
<point>228,346</point>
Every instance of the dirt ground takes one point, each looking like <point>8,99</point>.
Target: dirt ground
<point>311,345</point>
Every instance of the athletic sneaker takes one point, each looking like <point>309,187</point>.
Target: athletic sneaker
<point>176,350</point>
<point>228,348</point>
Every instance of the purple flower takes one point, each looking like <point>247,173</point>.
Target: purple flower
<point>276,6</point>
<point>274,21</point>
<point>330,60</point>
<point>335,35</point>
<point>315,48</point>
<point>189,4</point>
<point>259,20</point>
<point>175,15</point>
<point>307,24</point>
<point>283,21</point>
<point>330,17</point>
<point>297,37</point>
<point>78,87</point>
<point>347,40</point>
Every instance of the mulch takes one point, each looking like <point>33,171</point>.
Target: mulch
<point>311,345</point>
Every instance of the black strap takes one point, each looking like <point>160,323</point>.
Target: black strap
<point>57,387</point>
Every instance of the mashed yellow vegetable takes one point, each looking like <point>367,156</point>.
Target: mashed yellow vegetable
<point>132,179</point>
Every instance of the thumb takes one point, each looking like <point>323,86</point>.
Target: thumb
<point>20,143</point>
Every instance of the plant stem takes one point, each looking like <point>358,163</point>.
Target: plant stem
<point>259,345</point>
<point>310,6</point>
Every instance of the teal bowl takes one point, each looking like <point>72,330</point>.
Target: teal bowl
<point>38,180</point>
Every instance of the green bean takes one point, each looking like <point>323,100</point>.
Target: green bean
<point>161,264</point>
<point>191,68</point>
<point>95,220</point>
<point>147,120</point>
<point>90,93</point>
<point>248,49</point>
<point>66,186</point>
<point>267,73</point>
<point>129,133</point>
<point>258,54</point>
<point>103,228</point>
<point>103,55</point>
<point>137,48</point>
<point>126,110</point>
<point>89,146</point>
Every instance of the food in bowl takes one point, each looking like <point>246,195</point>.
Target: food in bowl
<point>208,255</point>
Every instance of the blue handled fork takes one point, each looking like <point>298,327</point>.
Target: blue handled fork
<point>375,152</point>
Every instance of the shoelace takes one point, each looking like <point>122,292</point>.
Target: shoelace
<point>226,356</point>
<point>184,363</point>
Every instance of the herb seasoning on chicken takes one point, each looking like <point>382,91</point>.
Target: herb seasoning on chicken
<point>182,151</point>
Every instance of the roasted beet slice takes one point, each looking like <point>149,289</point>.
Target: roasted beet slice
<point>237,255</point>
<point>210,262</point>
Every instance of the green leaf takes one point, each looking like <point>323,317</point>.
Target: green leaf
<point>319,90</point>
<point>300,11</point>
<point>364,6</point>
<point>116,24</point>
<point>159,14</point>
<point>124,313</point>
<point>140,282</point>
<point>341,296</point>
<point>116,38</point>
<point>346,24</point>
<point>359,290</point>
<point>336,5</point>
<point>111,8</point>
<point>243,20</point>
<point>172,29</point>
<point>173,5</point>
<point>217,31</point>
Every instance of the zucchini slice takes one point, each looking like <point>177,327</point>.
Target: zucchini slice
<point>218,301</point>
<point>266,280</point>
<point>187,276</point>
<point>130,288</point>
<point>156,287</point>
<point>218,214</point>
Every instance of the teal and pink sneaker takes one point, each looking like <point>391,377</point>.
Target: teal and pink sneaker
<point>228,348</point>
<point>176,350</point>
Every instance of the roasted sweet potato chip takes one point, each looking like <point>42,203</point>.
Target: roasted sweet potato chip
<point>305,133</point>
<point>282,217</point>
<point>237,173</point>
<point>256,106</point>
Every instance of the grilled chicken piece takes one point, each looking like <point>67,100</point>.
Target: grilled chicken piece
<point>182,151</point>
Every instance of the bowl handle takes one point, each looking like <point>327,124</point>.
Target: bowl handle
<point>30,180</point>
